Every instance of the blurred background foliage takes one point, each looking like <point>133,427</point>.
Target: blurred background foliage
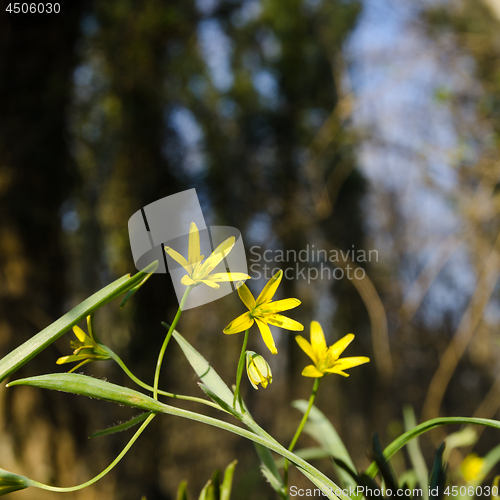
<point>340,124</point>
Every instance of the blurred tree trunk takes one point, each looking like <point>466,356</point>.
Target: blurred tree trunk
<point>36,176</point>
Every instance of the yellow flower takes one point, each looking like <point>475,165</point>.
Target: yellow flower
<point>326,359</point>
<point>263,311</point>
<point>472,467</point>
<point>198,272</point>
<point>86,348</point>
<point>10,482</point>
<point>258,370</point>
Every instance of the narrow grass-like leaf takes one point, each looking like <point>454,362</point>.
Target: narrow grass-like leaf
<point>227,482</point>
<point>321,430</point>
<point>20,356</point>
<point>203,369</point>
<point>91,387</point>
<point>384,468</point>
<point>312,453</point>
<point>409,478</point>
<point>416,457</point>
<point>464,437</point>
<point>402,440</point>
<point>182,491</point>
<point>207,493</point>
<point>437,480</point>
<point>224,406</point>
<point>490,460</point>
<point>333,493</point>
<point>270,470</point>
<point>121,427</point>
<point>134,290</point>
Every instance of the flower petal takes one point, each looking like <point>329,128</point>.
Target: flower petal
<point>311,371</point>
<point>306,347</point>
<point>337,371</point>
<point>267,336</point>
<point>279,306</point>
<point>240,324</point>
<point>284,322</point>
<point>68,359</point>
<point>80,334</point>
<point>346,363</point>
<point>186,280</point>
<point>216,257</point>
<point>270,289</point>
<point>194,244</point>
<point>178,258</point>
<point>228,277</point>
<point>209,283</point>
<point>340,346</point>
<point>318,340</point>
<point>246,296</point>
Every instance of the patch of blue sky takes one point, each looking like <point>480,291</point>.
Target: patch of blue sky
<point>249,11</point>
<point>410,145</point>
<point>207,7</point>
<point>216,49</point>
<point>191,137</point>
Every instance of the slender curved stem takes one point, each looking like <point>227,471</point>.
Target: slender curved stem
<point>142,384</point>
<point>239,372</point>
<point>167,338</point>
<point>299,430</point>
<point>104,472</point>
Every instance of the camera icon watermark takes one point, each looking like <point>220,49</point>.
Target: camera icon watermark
<point>173,232</point>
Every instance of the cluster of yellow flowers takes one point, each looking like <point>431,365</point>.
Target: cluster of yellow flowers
<point>262,311</point>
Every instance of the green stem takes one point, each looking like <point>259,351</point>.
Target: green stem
<point>239,372</point>
<point>103,473</point>
<point>142,384</point>
<point>299,429</point>
<point>272,444</point>
<point>165,342</point>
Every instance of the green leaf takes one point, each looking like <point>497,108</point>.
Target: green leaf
<point>464,437</point>
<point>182,491</point>
<point>84,385</point>
<point>438,475</point>
<point>329,491</point>
<point>321,430</point>
<point>216,388</point>
<point>409,478</point>
<point>224,406</point>
<point>134,290</point>
<point>312,453</point>
<point>203,369</point>
<point>121,427</point>
<point>416,457</point>
<point>88,386</point>
<point>207,493</point>
<point>227,482</point>
<point>384,468</point>
<point>20,356</point>
<point>270,470</point>
<point>490,460</point>
<point>405,438</point>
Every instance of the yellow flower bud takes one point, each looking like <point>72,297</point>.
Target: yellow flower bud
<point>10,482</point>
<point>258,371</point>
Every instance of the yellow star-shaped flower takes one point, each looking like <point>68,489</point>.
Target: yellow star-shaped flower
<point>198,272</point>
<point>326,359</point>
<point>86,349</point>
<point>263,311</point>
